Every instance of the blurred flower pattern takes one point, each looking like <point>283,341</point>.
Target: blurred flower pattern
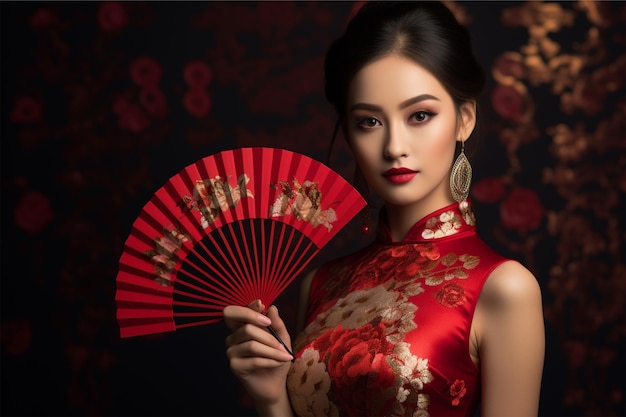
<point>561,92</point>
<point>104,101</point>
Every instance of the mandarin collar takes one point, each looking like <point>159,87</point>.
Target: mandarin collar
<point>452,220</point>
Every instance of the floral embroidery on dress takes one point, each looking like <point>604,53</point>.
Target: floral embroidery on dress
<point>384,304</point>
<point>409,262</point>
<point>455,266</point>
<point>348,354</point>
<point>467,213</point>
<point>356,332</point>
<point>451,295</point>
<point>366,348</point>
<point>406,260</point>
<point>457,390</point>
<point>312,382</point>
<point>449,222</point>
<point>446,224</point>
<point>370,269</point>
<point>411,375</point>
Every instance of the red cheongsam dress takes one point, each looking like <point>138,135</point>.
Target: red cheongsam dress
<point>388,328</point>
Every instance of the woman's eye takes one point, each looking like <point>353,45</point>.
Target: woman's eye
<point>422,116</point>
<point>367,122</point>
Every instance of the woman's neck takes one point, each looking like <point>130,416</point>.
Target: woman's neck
<point>401,219</point>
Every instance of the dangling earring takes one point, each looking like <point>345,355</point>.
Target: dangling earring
<point>460,176</point>
<point>365,215</point>
<point>361,186</point>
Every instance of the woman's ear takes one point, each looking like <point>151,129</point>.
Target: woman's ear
<point>467,120</point>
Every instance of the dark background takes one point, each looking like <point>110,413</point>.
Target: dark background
<point>85,143</point>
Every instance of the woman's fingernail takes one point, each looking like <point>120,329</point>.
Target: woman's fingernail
<point>264,320</point>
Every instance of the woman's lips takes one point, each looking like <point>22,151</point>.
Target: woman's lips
<point>399,175</point>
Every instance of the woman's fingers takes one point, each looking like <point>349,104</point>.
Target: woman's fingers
<point>252,332</point>
<point>257,305</point>
<point>250,336</point>
<point>278,325</point>
<point>258,353</point>
<point>236,316</point>
<point>256,357</point>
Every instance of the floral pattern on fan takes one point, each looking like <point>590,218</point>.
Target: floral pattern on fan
<point>304,202</point>
<point>212,196</point>
<point>164,256</point>
<point>213,236</point>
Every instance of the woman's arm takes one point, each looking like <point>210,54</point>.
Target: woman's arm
<point>511,342</point>
<point>303,302</point>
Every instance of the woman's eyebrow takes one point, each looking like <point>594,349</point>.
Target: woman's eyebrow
<point>417,99</point>
<point>404,104</point>
<point>365,106</point>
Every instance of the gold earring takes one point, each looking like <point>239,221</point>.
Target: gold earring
<point>461,176</point>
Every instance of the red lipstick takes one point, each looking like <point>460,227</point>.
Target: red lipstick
<point>399,175</point>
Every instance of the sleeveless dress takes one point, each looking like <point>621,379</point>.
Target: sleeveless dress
<point>388,327</point>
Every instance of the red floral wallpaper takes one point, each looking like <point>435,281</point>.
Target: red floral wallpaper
<point>102,102</point>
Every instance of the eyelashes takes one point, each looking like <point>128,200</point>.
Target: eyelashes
<point>368,122</point>
<point>423,116</point>
<point>371,122</point>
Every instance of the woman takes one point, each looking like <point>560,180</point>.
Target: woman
<point>427,320</point>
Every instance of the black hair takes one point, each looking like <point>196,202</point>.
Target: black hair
<point>426,32</point>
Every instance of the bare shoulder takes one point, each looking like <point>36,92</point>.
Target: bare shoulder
<point>510,305</point>
<point>509,285</point>
<point>509,341</point>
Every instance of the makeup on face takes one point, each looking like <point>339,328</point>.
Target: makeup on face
<point>399,175</point>
<point>402,131</point>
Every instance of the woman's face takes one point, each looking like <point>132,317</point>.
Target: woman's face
<point>402,127</point>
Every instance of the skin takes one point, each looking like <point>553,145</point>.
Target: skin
<point>399,115</point>
<point>259,361</point>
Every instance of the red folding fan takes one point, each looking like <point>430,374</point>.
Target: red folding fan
<point>228,229</point>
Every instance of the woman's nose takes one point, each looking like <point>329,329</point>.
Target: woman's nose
<point>396,143</point>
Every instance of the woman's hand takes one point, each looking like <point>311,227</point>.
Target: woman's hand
<point>256,357</point>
